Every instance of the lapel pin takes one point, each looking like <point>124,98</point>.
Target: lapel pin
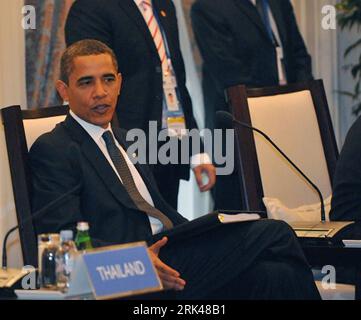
<point>134,155</point>
<point>163,14</point>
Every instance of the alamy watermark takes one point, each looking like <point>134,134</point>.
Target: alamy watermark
<point>155,147</point>
<point>329,21</point>
<point>329,280</point>
<point>29,282</point>
<point>28,21</point>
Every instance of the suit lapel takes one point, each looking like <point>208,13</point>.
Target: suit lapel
<point>99,163</point>
<point>277,14</point>
<point>250,10</point>
<point>131,9</point>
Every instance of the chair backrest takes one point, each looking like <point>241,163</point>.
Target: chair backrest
<point>7,206</point>
<point>297,119</point>
<point>21,129</point>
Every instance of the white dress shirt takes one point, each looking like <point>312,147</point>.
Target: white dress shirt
<point>96,134</point>
<point>279,50</point>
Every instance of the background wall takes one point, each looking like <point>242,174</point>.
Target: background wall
<point>345,80</point>
<point>12,54</point>
<point>12,92</point>
<point>327,48</point>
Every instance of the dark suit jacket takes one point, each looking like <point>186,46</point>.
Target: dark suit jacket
<point>237,50</point>
<point>346,196</point>
<point>221,263</point>
<point>120,25</point>
<point>67,156</point>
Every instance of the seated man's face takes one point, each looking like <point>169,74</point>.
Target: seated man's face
<point>93,89</point>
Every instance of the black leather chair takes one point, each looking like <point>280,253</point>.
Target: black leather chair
<point>297,119</point>
<point>22,128</point>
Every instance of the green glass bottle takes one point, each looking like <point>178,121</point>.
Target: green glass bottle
<point>82,239</point>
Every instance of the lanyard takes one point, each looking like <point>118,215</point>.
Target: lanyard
<point>165,41</point>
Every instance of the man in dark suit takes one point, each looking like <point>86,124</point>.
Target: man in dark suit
<point>346,193</point>
<point>144,37</point>
<point>250,42</point>
<point>259,259</point>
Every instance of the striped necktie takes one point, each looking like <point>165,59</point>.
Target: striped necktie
<point>154,29</point>
<point>121,166</point>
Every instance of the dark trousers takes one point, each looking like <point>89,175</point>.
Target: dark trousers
<point>227,193</point>
<point>167,178</point>
<point>251,260</point>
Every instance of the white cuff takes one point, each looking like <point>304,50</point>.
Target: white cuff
<point>200,158</point>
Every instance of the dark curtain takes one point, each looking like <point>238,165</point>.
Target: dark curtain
<point>44,47</point>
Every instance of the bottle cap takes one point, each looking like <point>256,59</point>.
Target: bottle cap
<point>66,235</point>
<point>82,226</point>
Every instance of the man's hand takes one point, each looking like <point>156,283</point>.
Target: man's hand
<point>169,277</point>
<point>210,171</point>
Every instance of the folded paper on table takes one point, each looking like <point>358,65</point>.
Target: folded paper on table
<point>206,223</point>
<point>310,212</point>
<point>306,220</point>
<point>352,243</point>
<point>240,217</point>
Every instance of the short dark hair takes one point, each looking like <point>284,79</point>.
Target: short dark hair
<point>82,48</point>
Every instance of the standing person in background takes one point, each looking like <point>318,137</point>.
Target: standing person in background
<point>346,193</point>
<point>251,42</point>
<point>154,89</point>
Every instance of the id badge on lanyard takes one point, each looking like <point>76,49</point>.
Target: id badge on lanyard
<point>169,87</point>
<point>175,116</point>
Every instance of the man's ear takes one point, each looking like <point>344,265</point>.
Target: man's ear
<point>62,89</point>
